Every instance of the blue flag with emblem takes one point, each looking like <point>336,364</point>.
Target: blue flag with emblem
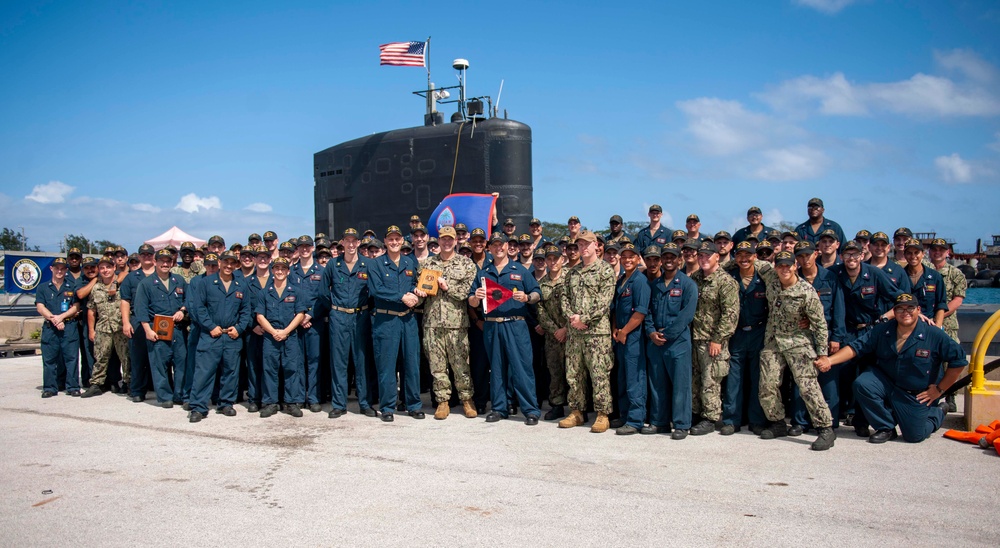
<point>474,210</point>
<point>24,274</point>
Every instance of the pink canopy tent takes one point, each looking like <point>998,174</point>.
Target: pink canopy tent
<point>174,236</point>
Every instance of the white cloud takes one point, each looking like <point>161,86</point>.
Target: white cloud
<point>974,94</point>
<point>794,163</point>
<point>149,208</point>
<point>111,207</point>
<point>723,127</point>
<point>933,95</point>
<point>192,203</point>
<point>758,146</point>
<point>967,63</point>
<point>53,192</point>
<point>953,169</point>
<point>835,95</point>
<point>259,207</point>
<point>829,7</point>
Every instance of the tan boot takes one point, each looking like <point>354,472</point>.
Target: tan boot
<point>442,411</point>
<point>575,418</point>
<point>601,424</point>
<point>469,409</point>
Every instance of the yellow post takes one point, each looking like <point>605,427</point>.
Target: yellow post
<point>982,399</point>
<point>982,342</point>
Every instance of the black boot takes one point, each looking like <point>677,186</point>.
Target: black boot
<point>777,429</point>
<point>825,439</point>
<point>557,412</point>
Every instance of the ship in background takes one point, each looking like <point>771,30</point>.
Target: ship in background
<point>382,179</point>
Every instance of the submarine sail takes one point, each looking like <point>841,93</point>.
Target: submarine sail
<point>382,179</point>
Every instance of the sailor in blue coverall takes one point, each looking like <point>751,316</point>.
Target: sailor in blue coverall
<point>392,278</point>
<point>903,387</point>
<point>221,308</point>
<point>742,386</point>
<point>505,333</point>
<point>280,308</point>
<point>868,297</point>
<point>672,303</point>
<point>345,288</point>
<point>308,273</point>
<point>629,307</point>
<point>56,302</point>
<point>163,294</point>
<point>138,353</point>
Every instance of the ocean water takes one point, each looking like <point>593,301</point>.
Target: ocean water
<point>982,295</point>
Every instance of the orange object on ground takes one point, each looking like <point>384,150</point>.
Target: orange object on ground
<point>960,435</point>
<point>983,429</point>
<point>993,436</point>
<point>996,445</point>
<point>995,424</point>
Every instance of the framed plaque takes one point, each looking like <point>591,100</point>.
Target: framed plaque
<point>164,327</point>
<point>428,282</point>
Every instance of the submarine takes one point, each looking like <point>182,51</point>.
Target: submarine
<point>383,179</point>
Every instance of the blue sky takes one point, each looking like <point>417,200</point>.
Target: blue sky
<point>121,119</point>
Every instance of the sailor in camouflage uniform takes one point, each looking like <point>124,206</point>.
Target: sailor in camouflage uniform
<point>714,323</point>
<point>553,321</point>
<point>589,288</point>
<point>786,344</point>
<point>446,323</point>
<point>724,243</point>
<point>105,321</point>
<point>954,282</point>
<point>617,235</point>
<point>188,267</point>
<point>955,286</point>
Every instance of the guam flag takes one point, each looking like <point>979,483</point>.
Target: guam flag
<point>474,210</point>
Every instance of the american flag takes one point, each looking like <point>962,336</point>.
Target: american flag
<point>402,54</point>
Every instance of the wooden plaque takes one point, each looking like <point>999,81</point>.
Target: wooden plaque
<point>428,282</point>
<point>164,327</point>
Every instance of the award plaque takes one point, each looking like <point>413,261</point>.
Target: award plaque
<point>428,282</point>
<point>164,327</point>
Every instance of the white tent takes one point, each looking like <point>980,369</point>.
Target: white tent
<point>175,237</point>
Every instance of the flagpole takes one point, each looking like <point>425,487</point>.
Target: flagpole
<point>427,60</point>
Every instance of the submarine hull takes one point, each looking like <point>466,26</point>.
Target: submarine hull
<point>381,180</point>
